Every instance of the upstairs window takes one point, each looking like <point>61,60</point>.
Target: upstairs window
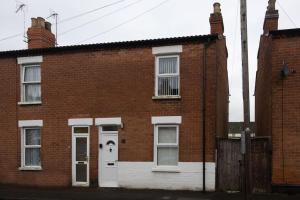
<point>31,83</point>
<point>167,76</point>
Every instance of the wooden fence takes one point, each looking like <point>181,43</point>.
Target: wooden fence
<point>229,168</point>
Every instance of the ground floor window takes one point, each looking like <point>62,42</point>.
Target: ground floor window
<point>166,145</point>
<point>31,147</point>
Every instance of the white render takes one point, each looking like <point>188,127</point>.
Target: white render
<point>80,122</point>
<point>30,60</point>
<point>166,120</point>
<point>108,121</point>
<point>167,49</point>
<point>30,123</point>
<point>188,176</point>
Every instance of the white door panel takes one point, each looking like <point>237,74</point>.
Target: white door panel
<point>108,160</point>
<point>80,160</point>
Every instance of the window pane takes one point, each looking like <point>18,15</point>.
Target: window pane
<point>167,156</point>
<point>81,172</point>
<point>81,149</point>
<point>110,128</point>
<point>32,137</point>
<point>32,92</point>
<point>32,157</point>
<point>168,65</point>
<point>168,86</point>
<point>81,129</point>
<point>32,73</point>
<point>167,135</point>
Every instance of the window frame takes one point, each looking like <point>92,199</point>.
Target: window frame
<point>24,83</point>
<point>24,146</point>
<point>157,167</point>
<point>157,75</point>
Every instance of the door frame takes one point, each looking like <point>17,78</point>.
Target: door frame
<point>100,162</point>
<point>74,135</point>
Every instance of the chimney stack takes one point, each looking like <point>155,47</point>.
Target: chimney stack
<point>216,20</point>
<point>271,18</point>
<point>39,34</point>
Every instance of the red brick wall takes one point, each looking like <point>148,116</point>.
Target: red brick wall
<point>104,83</point>
<point>40,38</point>
<point>283,97</point>
<point>222,92</point>
<point>263,106</point>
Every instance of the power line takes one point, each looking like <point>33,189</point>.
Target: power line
<point>99,18</point>
<point>292,21</point>
<point>88,12</point>
<point>126,22</point>
<point>67,19</point>
<point>11,37</point>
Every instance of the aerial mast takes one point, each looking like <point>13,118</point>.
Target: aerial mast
<point>55,16</point>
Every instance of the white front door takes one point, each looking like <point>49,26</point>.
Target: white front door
<point>80,157</point>
<point>108,158</point>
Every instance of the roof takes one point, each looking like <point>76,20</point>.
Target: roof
<point>286,32</point>
<point>237,127</point>
<point>111,45</point>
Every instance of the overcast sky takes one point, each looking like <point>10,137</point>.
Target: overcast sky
<point>146,19</point>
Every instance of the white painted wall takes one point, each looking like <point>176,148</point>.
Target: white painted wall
<point>140,175</point>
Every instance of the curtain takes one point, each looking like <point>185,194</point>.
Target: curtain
<point>168,65</point>
<point>32,90</point>
<point>167,135</point>
<point>168,85</point>
<point>32,74</point>
<point>167,156</point>
<point>32,154</point>
<point>32,157</point>
<point>32,137</point>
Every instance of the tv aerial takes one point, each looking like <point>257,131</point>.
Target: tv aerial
<point>21,7</point>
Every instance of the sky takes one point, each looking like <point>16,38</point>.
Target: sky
<point>149,19</point>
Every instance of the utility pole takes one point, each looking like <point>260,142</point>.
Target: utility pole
<point>244,37</point>
<point>246,140</point>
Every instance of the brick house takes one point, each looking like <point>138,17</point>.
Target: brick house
<point>277,97</point>
<point>137,114</point>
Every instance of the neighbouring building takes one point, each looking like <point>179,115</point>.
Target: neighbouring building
<point>136,114</point>
<point>277,95</point>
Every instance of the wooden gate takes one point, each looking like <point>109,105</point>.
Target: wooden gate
<point>229,159</point>
<point>260,174</point>
<point>228,164</point>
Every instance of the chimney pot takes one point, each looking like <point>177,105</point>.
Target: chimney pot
<point>271,6</point>
<point>41,22</point>
<point>48,26</point>
<point>217,8</point>
<point>33,22</point>
<point>271,18</point>
<point>216,20</point>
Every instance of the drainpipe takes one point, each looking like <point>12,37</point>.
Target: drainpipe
<point>204,116</point>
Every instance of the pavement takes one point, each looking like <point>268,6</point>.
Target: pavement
<point>25,193</point>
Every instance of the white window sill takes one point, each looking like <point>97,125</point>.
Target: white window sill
<point>168,169</point>
<point>37,168</point>
<point>30,103</point>
<point>166,97</point>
